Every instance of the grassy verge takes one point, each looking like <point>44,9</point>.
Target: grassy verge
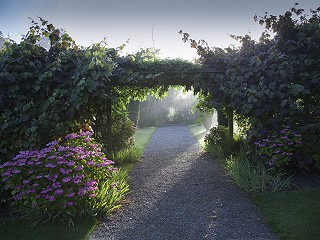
<point>143,136</point>
<point>127,157</point>
<point>199,132</point>
<point>13,228</point>
<point>292,215</point>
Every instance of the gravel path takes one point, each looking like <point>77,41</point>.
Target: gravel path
<point>179,192</point>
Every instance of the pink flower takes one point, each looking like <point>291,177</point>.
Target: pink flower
<point>64,171</point>
<point>72,136</point>
<point>58,192</point>
<point>50,198</point>
<point>69,204</point>
<point>78,168</point>
<point>76,181</point>
<point>66,179</point>
<point>50,165</point>
<point>90,163</point>
<point>71,163</point>
<point>31,191</point>
<point>91,183</point>
<point>56,185</point>
<point>81,191</point>
<point>53,143</point>
<point>86,133</point>
<point>70,195</point>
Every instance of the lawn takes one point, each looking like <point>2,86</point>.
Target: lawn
<point>292,215</point>
<point>143,136</point>
<point>15,228</point>
<point>199,132</point>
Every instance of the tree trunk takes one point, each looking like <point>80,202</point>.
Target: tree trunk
<point>109,127</point>
<point>222,120</point>
<point>230,122</point>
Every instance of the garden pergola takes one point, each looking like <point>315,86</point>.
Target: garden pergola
<point>166,78</point>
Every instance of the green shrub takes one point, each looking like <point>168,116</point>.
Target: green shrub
<point>216,136</point>
<point>254,177</point>
<point>216,150</point>
<point>68,178</point>
<point>122,132</point>
<point>219,144</point>
<point>129,155</point>
<point>316,158</point>
<point>2,195</point>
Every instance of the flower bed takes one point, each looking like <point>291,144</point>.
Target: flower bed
<point>70,176</point>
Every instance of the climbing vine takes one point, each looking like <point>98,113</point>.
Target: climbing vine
<point>46,93</point>
<point>272,82</point>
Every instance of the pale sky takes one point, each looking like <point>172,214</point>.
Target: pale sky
<point>119,20</point>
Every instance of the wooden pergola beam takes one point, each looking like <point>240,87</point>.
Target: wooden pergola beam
<point>179,78</point>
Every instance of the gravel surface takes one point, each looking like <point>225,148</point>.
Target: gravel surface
<point>180,192</point>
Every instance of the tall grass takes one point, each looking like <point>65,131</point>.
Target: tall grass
<point>129,155</point>
<point>254,176</point>
<point>110,196</point>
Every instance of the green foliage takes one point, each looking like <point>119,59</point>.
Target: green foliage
<point>68,178</point>
<point>271,82</point>
<point>316,158</point>
<point>46,93</point>
<point>217,136</point>
<point>128,155</point>
<point>254,177</point>
<point>122,133</point>
<point>109,196</point>
<point>219,144</point>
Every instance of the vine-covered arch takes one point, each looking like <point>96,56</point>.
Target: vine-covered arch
<point>158,74</point>
<point>46,91</point>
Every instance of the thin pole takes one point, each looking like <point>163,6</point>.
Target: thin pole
<point>109,126</point>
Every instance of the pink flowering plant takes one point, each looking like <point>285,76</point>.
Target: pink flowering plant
<point>279,148</point>
<point>69,176</point>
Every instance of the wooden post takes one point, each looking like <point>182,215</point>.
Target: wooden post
<point>222,119</point>
<point>109,126</point>
<point>230,122</point>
